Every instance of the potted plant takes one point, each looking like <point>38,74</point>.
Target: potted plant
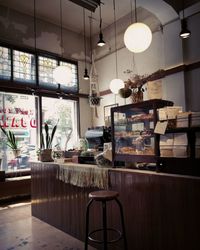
<point>45,151</point>
<point>11,141</point>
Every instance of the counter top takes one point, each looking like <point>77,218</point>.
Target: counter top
<point>81,175</point>
<point>153,173</point>
<point>103,172</point>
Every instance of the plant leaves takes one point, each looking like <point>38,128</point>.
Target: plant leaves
<point>42,141</point>
<point>3,130</point>
<point>46,127</point>
<point>52,134</point>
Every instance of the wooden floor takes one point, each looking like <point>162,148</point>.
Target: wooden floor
<point>19,230</point>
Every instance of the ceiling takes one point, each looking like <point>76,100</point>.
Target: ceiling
<point>72,14</point>
<point>179,4</point>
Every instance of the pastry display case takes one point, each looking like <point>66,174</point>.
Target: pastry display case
<point>133,137</point>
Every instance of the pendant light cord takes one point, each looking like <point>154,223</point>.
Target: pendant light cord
<point>91,37</point>
<point>135,12</point>
<point>100,17</point>
<point>183,6</point>
<point>131,11</point>
<point>116,59</point>
<point>35,44</point>
<point>61,29</point>
<point>84,34</point>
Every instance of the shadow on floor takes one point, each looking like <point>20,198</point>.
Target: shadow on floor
<point>19,230</point>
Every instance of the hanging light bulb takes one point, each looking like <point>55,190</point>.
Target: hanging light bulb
<point>116,84</point>
<point>62,74</point>
<point>101,42</point>
<point>185,33</point>
<point>138,36</point>
<point>86,76</point>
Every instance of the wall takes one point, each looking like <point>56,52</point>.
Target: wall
<point>18,29</point>
<point>192,54</point>
<point>166,51</point>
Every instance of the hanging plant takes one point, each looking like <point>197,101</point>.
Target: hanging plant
<point>137,95</point>
<point>94,101</point>
<point>94,96</point>
<point>125,92</point>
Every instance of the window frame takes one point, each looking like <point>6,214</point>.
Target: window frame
<point>19,85</point>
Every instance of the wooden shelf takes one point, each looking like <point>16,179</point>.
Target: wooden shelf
<point>135,158</point>
<point>183,130</point>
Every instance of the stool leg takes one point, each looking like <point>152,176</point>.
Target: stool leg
<point>104,225</point>
<point>87,223</point>
<point>123,224</point>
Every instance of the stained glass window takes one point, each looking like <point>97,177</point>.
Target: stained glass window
<point>46,67</point>
<point>23,66</point>
<point>24,69</point>
<point>73,86</point>
<point>5,63</point>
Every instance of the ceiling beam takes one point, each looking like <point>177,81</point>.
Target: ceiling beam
<point>91,5</point>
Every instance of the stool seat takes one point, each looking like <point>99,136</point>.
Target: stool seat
<point>103,195</point>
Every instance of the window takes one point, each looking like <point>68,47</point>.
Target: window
<point>73,87</point>
<point>18,114</point>
<point>63,113</point>
<point>46,67</point>
<point>5,63</point>
<point>23,66</point>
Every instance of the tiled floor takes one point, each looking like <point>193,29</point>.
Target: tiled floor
<point>19,230</point>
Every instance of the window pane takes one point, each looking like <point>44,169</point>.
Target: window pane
<point>18,114</point>
<point>23,66</point>
<point>73,86</point>
<point>5,63</point>
<point>46,67</point>
<point>64,114</point>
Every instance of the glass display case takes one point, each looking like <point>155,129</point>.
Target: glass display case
<point>133,137</point>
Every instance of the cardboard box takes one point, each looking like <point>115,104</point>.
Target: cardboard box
<point>166,151</point>
<point>180,151</point>
<point>182,120</point>
<point>167,140</point>
<point>195,119</point>
<point>180,139</point>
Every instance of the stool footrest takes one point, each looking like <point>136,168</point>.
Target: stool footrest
<point>109,241</point>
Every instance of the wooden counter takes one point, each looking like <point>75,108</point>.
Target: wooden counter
<point>162,211</point>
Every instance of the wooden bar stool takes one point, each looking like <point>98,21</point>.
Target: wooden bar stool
<point>104,197</point>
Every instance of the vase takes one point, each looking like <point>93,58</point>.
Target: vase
<point>137,96</point>
<point>16,152</point>
<point>58,155</point>
<point>45,155</point>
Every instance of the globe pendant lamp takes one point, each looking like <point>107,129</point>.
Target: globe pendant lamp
<point>138,36</point>
<point>62,74</point>
<point>116,84</point>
